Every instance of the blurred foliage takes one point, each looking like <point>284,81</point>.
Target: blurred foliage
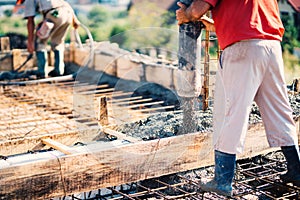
<point>13,24</point>
<point>149,27</point>
<point>8,13</point>
<point>291,66</point>
<point>117,34</point>
<point>144,27</point>
<point>97,16</point>
<point>290,36</point>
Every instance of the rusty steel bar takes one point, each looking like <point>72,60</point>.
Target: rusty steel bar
<point>186,187</point>
<point>206,72</point>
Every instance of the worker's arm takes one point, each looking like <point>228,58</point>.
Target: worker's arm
<point>192,13</point>
<point>30,31</point>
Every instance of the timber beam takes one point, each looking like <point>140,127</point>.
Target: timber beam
<point>103,165</point>
<point>33,143</point>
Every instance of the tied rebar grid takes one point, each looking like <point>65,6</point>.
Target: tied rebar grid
<point>256,178</point>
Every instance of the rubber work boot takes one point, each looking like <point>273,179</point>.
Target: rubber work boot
<point>59,65</point>
<point>224,173</point>
<point>41,63</point>
<point>293,165</point>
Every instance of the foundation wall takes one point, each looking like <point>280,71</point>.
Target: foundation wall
<point>110,59</point>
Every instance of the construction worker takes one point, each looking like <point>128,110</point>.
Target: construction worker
<point>251,68</point>
<point>58,15</point>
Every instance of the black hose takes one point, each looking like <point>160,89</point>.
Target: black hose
<point>24,63</point>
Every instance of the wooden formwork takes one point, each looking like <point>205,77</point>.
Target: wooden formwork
<point>67,111</point>
<point>35,118</point>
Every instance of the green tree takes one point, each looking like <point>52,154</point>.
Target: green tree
<point>17,24</point>
<point>97,16</point>
<point>117,34</point>
<point>8,13</point>
<point>289,40</point>
<point>149,27</point>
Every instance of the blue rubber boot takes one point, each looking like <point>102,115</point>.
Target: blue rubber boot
<point>293,165</point>
<point>224,173</point>
<point>41,57</point>
<point>59,65</point>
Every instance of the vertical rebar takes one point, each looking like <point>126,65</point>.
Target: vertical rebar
<point>206,72</point>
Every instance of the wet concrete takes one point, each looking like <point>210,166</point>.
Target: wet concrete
<point>170,124</point>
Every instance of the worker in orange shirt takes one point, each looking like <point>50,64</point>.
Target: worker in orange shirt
<point>58,15</point>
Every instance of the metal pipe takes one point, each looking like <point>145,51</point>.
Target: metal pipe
<point>188,77</point>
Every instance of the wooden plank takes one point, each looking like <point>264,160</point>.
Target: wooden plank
<point>58,146</point>
<point>4,44</point>
<point>102,111</point>
<point>25,144</point>
<point>16,58</point>
<point>113,165</point>
<point>5,61</point>
<point>120,135</point>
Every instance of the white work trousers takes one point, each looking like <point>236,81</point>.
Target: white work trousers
<point>61,26</point>
<point>250,71</point>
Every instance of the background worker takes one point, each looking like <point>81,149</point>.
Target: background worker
<point>58,15</point>
<point>251,68</point>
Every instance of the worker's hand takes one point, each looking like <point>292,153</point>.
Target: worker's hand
<point>30,47</point>
<point>181,15</point>
<point>208,22</point>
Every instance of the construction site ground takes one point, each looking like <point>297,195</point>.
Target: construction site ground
<point>114,135</point>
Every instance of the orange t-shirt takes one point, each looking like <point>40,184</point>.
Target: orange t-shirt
<point>237,20</point>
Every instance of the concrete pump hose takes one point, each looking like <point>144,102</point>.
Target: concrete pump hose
<point>91,42</point>
<point>77,38</point>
